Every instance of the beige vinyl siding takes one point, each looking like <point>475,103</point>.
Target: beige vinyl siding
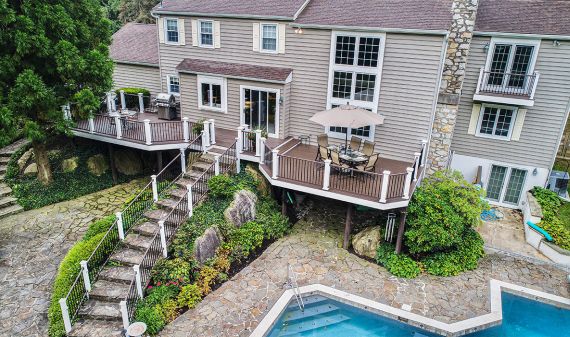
<point>128,75</point>
<point>543,122</point>
<point>407,86</point>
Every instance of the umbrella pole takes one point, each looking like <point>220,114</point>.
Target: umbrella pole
<point>346,140</point>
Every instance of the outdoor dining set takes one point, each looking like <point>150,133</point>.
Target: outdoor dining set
<point>358,155</point>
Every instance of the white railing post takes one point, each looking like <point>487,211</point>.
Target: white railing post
<point>327,175</point>
<point>535,84</point>
<point>119,216</point>
<point>206,130</point>
<point>138,282</point>
<point>183,160</point>
<point>190,201</point>
<point>186,129</point>
<point>119,127</point>
<point>417,157</point>
<point>385,182</point>
<point>91,125</point>
<point>257,143</point>
<point>124,314</point>
<point>147,133</point>
<point>203,135</point>
<point>110,101</point>
<point>262,151</point>
<point>154,188</point>
<point>239,139</point>
<point>407,183</point>
<point>238,162</point>
<point>424,152</point>
<point>212,131</point>
<point>66,110</point>
<point>162,238</point>
<point>85,273</point>
<point>65,315</point>
<point>123,101</point>
<point>480,81</point>
<point>275,168</point>
<point>217,165</point>
<point>141,102</point>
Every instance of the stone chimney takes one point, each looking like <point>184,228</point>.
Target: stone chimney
<point>458,44</point>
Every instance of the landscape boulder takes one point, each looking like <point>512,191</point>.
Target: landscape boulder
<point>262,184</point>
<point>205,246</point>
<point>97,164</point>
<point>128,162</point>
<point>31,169</point>
<point>367,241</point>
<point>25,158</point>
<point>242,208</point>
<point>70,165</point>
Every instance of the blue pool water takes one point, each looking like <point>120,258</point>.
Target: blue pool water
<point>324,317</point>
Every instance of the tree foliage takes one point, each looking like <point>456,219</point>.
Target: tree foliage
<point>136,11</point>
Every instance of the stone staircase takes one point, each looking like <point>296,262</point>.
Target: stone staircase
<point>8,204</point>
<point>100,314</point>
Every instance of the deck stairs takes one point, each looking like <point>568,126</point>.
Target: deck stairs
<point>8,204</point>
<point>100,314</point>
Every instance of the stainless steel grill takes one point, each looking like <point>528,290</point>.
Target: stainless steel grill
<point>166,105</point>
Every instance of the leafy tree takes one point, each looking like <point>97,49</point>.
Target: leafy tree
<point>52,52</point>
<point>136,11</point>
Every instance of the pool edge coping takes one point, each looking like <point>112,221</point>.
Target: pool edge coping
<point>429,324</point>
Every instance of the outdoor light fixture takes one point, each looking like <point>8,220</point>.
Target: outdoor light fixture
<point>534,172</point>
<point>299,30</point>
<point>556,43</point>
<point>486,47</point>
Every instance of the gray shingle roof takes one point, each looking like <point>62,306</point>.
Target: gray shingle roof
<point>255,72</point>
<point>267,8</point>
<point>135,43</point>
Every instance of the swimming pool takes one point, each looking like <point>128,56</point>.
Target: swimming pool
<point>325,317</point>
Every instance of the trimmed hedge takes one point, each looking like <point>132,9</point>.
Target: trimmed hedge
<point>131,96</point>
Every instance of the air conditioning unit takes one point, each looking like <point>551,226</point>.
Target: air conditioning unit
<point>558,183</point>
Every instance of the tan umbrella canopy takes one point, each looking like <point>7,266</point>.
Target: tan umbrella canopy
<point>347,116</point>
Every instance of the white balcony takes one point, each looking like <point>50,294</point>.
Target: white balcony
<point>506,88</point>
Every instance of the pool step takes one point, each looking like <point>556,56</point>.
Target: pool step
<point>310,311</point>
<point>314,324</point>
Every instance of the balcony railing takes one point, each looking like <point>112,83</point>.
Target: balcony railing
<point>507,84</point>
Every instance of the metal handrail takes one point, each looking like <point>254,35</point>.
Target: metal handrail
<point>292,279</point>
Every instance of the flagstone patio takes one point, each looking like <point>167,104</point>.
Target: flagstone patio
<point>314,250</point>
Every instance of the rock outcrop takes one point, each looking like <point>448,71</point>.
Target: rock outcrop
<point>205,246</point>
<point>242,208</point>
<point>366,242</point>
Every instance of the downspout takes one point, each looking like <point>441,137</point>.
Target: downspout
<point>158,41</point>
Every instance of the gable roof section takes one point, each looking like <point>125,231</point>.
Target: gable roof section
<point>541,17</point>
<point>135,43</point>
<point>235,70</point>
<point>276,9</point>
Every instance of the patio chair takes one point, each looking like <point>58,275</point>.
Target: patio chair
<point>323,140</point>
<point>338,166</point>
<point>322,153</point>
<point>355,143</point>
<point>370,165</point>
<point>368,148</point>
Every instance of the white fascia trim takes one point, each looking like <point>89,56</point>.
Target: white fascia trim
<point>217,15</point>
<point>301,9</point>
<point>233,77</point>
<point>142,64</point>
<point>128,143</point>
<point>454,329</point>
<point>523,36</point>
<point>370,29</point>
<point>503,100</point>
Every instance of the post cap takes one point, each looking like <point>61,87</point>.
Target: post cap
<point>146,120</point>
<point>417,154</point>
<point>327,161</point>
<point>409,169</point>
<point>83,263</point>
<point>185,118</point>
<point>275,150</point>
<point>136,268</point>
<point>118,214</point>
<point>62,301</point>
<point>140,94</point>
<point>386,172</point>
<point>189,187</point>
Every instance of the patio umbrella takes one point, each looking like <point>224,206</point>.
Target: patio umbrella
<point>347,116</point>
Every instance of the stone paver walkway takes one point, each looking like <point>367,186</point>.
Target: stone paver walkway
<point>32,245</point>
<point>314,251</point>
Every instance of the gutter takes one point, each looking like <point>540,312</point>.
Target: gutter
<point>301,9</point>
<point>252,79</point>
<point>154,65</point>
<point>217,15</point>
<point>371,29</point>
<point>520,35</point>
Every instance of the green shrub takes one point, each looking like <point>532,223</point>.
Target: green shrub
<point>222,186</point>
<point>198,126</point>
<point>152,317</point>
<point>168,309</point>
<point>383,252</point>
<point>172,270</point>
<point>68,270</point>
<point>551,222</point>
<point>131,96</point>
<point>99,226</point>
<point>548,200</point>
<point>159,294</point>
<point>189,296</point>
<point>401,265</point>
<point>269,216</point>
<point>464,257</point>
<point>560,234</point>
<point>247,238</point>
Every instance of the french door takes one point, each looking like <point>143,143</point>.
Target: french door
<point>260,109</point>
<point>510,65</point>
<point>505,184</point>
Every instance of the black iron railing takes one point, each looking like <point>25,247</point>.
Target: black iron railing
<point>228,160</point>
<point>503,83</point>
<point>163,132</point>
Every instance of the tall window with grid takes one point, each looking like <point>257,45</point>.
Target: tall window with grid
<point>206,33</point>
<point>510,63</point>
<point>172,30</point>
<point>496,121</point>
<point>269,37</point>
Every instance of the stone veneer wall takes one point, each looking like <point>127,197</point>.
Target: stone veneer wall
<point>458,44</point>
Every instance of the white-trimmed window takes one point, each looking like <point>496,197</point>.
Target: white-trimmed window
<point>355,69</point>
<point>510,61</point>
<point>206,33</point>
<point>212,93</point>
<point>269,38</point>
<point>506,184</point>
<point>173,84</point>
<point>496,121</point>
<point>171,31</point>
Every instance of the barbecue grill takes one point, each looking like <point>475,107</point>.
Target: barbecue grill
<point>166,105</point>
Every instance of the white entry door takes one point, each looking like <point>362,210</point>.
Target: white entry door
<point>505,184</point>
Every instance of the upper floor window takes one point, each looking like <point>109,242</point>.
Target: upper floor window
<point>496,121</point>
<point>173,84</point>
<point>510,62</point>
<point>357,50</point>
<point>212,93</point>
<point>269,37</point>
<point>171,30</point>
<point>206,33</point>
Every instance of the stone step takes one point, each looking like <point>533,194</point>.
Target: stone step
<point>10,210</point>
<point>4,160</point>
<point>201,166</point>
<point>183,182</point>
<point>100,310</point>
<point>168,204</point>
<point>109,291</point>
<point>118,274</point>
<point>7,201</point>
<point>3,168</point>
<point>4,190</point>
<point>156,215</point>
<point>147,229</point>
<point>128,256</point>
<point>193,175</point>
<point>178,192</point>
<point>91,327</point>
<point>207,157</point>
<point>138,241</point>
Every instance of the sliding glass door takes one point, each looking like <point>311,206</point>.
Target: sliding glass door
<point>260,109</point>
<point>505,184</point>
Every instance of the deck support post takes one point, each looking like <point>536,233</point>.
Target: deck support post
<point>162,238</point>
<point>141,102</point>
<point>257,143</point>
<point>401,228</point>
<point>347,225</point>
<point>119,216</point>
<point>91,123</point>
<point>119,127</point>
<point>239,144</point>
<point>138,282</point>
<point>124,314</point>
<point>262,151</point>
<point>112,162</point>
<point>159,160</point>
<point>284,202</point>
<point>217,165</point>
<point>154,186</point>
<point>206,142</point>
<point>212,131</point>
<point>65,314</point>
<point>275,168</point>
<point>327,175</point>
<point>417,158</point>
<point>385,182</point>
<point>182,160</point>
<point>190,201</point>
<point>85,273</point>
<point>186,129</point>
<point>123,101</point>
<point>407,183</point>
<point>147,133</point>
